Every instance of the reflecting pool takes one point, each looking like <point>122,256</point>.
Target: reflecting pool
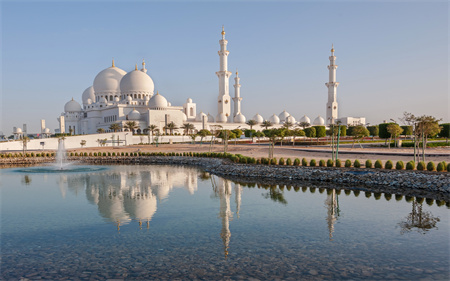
<point>169,222</point>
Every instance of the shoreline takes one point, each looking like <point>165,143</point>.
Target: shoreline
<point>435,185</point>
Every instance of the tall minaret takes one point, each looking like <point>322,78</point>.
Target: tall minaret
<point>332,106</point>
<point>224,100</point>
<point>237,95</point>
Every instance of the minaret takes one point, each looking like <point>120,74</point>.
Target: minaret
<point>224,98</point>
<point>237,95</point>
<point>225,213</point>
<point>332,105</point>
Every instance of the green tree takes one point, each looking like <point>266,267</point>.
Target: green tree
<point>187,128</point>
<point>83,143</point>
<point>394,130</point>
<point>320,131</point>
<point>274,135</point>
<point>115,127</point>
<point>266,124</point>
<point>310,132</point>
<point>358,133</point>
<point>259,135</point>
<point>445,131</point>
<point>203,133</point>
<point>251,123</point>
<point>100,130</point>
<point>407,130</point>
<point>131,126</point>
<point>373,131</point>
<point>70,131</point>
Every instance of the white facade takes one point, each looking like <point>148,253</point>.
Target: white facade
<point>352,121</point>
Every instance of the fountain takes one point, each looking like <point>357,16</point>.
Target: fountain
<point>61,156</point>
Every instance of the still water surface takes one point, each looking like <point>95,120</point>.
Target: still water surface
<point>168,222</point>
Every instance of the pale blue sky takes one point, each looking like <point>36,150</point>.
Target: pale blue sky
<point>392,56</point>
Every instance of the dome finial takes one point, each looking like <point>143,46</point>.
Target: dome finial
<point>113,65</point>
<point>332,47</point>
<point>223,30</point>
<point>135,67</point>
<point>237,73</point>
<point>157,92</point>
<point>143,66</point>
<point>143,63</point>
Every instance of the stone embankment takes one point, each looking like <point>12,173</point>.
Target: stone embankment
<point>416,183</point>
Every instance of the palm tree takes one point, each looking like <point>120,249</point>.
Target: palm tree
<point>70,131</point>
<point>251,123</point>
<point>131,125</point>
<point>288,125</point>
<point>304,125</point>
<point>266,124</point>
<point>100,130</point>
<point>171,126</point>
<point>115,127</point>
<point>187,127</point>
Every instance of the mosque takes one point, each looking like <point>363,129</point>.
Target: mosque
<point>117,97</point>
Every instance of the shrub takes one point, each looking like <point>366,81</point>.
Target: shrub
<point>251,160</point>
<point>338,163</point>
<point>296,162</point>
<point>258,161</point>
<point>322,163</point>
<point>378,164</point>
<point>312,163</point>
<point>429,201</point>
<point>281,161</point>
<point>330,163</point>
<point>243,160</point>
<point>289,162</point>
<point>399,165</point>
<point>95,153</point>
<point>388,165</point>
<point>273,161</point>
<point>448,167</point>
<point>71,154</point>
<point>368,163</point>
<point>356,164</point>
<point>440,167</point>
<point>304,162</point>
<point>104,154</point>
<point>420,166</point>
<point>348,163</point>
<point>410,165</point>
<point>431,166</point>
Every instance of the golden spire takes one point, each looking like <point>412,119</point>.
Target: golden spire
<point>157,92</point>
<point>135,68</point>
<point>223,30</point>
<point>143,63</point>
<point>332,48</point>
<point>237,73</point>
<point>113,65</point>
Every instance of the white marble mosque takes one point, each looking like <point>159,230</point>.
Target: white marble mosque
<point>117,97</point>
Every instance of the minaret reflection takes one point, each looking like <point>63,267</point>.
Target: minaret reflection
<point>224,190</point>
<point>238,192</point>
<point>332,205</point>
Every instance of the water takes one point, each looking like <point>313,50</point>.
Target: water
<point>150,222</point>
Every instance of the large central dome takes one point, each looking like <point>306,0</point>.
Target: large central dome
<point>108,80</point>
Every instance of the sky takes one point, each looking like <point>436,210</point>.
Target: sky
<point>392,56</point>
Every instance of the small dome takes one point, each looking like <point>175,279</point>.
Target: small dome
<point>89,101</point>
<point>283,115</point>
<point>18,131</point>
<point>319,121</point>
<point>137,81</point>
<point>147,98</point>
<point>305,119</point>
<point>158,102</point>
<point>46,130</point>
<point>290,119</point>
<point>72,106</point>
<point>116,99</point>
<point>108,80</point>
<point>189,100</point>
<point>184,117</point>
<point>103,100</point>
<point>134,115</point>
<point>239,118</point>
<point>88,94</point>
<point>221,118</point>
<point>274,119</point>
<point>169,104</point>
<point>258,118</point>
<point>210,118</point>
<point>199,117</point>
<point>129,98</point>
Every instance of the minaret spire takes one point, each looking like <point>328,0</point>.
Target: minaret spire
<point>113,65</point>
<point>237,95</point>
<point>332,105</point>
<point>143,66</point>
<point>223,74</point>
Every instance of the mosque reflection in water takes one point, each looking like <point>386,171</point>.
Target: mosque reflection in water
<point>132,194</point>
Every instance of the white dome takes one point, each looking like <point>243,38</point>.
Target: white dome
<point>274,119</point>
<point>108,80</point>
<point>221,118</point>
<point>134,115</point>
<point>18,131</point>
<point>199,117</point>
<point>116,99</point>
<point>72,106</point>
<point>169,104</point>
<point>189,100</point>
<point>158,102</point>
<point>305,119</point>
<point>239,118</point>
<point>137,81</point>
<point>89,101</point>
<point>258,118</point>
<point>88,94</point>
<point>129,98</point>
<point>319,121</point>
<point>47,130</point>
<point>184,117</point>
<point>290,119</point>
<point>147,98</point>
<point>210,118</point>
<point>103,100</point>
<point>283,115</point>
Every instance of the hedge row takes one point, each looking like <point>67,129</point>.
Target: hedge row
<point>239,158</point>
